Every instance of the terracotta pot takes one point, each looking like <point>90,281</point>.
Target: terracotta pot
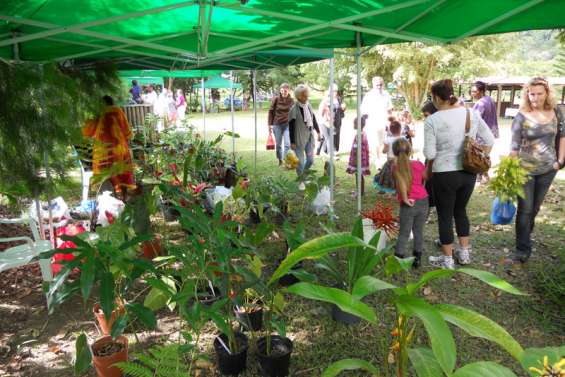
<point>104,364</point>
<point>152,248</point>
<point>105,325</point>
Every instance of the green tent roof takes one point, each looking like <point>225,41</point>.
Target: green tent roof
<point>227,34</point>
<point>218,82</point>
<point>143,80</point>
<point>197,73</point>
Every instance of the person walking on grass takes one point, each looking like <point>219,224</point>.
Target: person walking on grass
<point>444,135</point>
<point>486,107</point>
<point>409,177</point>
<point>538,139</point>
<point>377,104</point>
<point>302,124</point>
<point>365,161</point>
<point>278,121</point>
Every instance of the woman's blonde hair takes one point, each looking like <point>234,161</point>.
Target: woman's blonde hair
<point>550,101</point>
<point>402,149</point>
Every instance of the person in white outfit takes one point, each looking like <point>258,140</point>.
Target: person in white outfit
<point>377,105</point>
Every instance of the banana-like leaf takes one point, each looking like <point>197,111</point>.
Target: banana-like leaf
<point>483,369</point>
<point>424,362</point>
<point>366,285</point>
<point>349,364</point>
<point>476,324</point>
<point>441,338</point>
<point>492,280</point>
<point>83,355</point>
<point>342,299</point>
<point>316,248</point>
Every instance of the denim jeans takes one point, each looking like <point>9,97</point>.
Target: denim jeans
<point>305,156</point>
<point>452,191</point>
<point>281,132</point>
<point>412,219</point>
<point>528,208</point>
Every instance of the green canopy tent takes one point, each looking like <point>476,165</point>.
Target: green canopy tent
<point>142,80</point>
<point>218,82</point>
<point>238,34</point>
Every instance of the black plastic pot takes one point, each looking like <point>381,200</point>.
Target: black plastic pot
<point>343,317</point>
<point>231,364</point>
<point>252,320</point>
<point>278,363</point>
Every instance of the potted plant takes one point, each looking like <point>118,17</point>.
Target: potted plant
<point>250,312</point>
<point>507,185</point>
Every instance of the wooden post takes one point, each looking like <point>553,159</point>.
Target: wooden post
<point>563,95</point>
<point>512,96</point>
<point>498,100</point>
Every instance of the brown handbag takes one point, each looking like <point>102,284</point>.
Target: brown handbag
<point>475,159</point>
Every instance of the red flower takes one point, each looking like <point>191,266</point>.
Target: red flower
<point>383,218</point>
<point>173,167</point>
<point>109,216</point>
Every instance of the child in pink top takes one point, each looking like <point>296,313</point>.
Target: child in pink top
<point>409,176</point>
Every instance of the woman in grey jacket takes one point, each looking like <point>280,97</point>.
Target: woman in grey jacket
<point>302,124</point>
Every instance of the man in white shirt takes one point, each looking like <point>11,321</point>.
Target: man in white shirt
<point>151,97</point>
<point>378,106</point>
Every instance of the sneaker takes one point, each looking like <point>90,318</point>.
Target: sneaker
<point>301,186</point>
<point>463,255</point>
<point>443,261</point>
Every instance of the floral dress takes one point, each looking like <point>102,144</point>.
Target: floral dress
<point>352,166</point>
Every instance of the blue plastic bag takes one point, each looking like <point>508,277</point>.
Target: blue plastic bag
<point>502,212</point>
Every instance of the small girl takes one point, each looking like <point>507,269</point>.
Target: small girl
<point>384,181</point>
<point>409,176</point>
<point>352,166</point>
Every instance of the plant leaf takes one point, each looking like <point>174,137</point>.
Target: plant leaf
<point>349,364</point>
<point>145,315</point>
<point>424,362</point>
<point>119,325</point>
<point>314,249</point>
<point>533,357</point>
<point>395,265</point>
<point>492,280</point>
<point>477,325</point>
<point>342,299</point>
<point>83,355</point>
<point>366,285</point>
<point>87,275</point>
<point>483,369</point>
<point>107,294</point>
<point>439,333</point>
<point>431,275</point>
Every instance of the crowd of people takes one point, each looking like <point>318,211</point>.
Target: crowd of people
<point>169,106</point>
<point>538,139</point>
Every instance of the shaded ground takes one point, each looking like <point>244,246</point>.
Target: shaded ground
<point>35,344</point>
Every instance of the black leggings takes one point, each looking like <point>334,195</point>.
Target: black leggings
<point>452,191</point>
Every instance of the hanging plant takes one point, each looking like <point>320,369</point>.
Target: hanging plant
<point>383,218</point>
<point>509,179</point>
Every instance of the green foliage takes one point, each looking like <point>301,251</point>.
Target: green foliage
<point>41,113</point>
<point>83,355</point>
<point>509,179</point>
<point>159,361</point>
<point>534,358</point>
<point>349,364</point>
<point>550,280</point>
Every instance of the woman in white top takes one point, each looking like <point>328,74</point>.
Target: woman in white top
<point>444,134</point>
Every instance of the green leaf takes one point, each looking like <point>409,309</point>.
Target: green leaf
<point>314,249</point>
<point>145,315</point>
<point>533,357</point>
<point>477,325</point>
<point>431,275</point>
<point>439,333</point>
<point>492,280</point>
<point>83,355</point>
<point>483,369</point>
<point>87,275</point>
<point>278,302</point>
<point>349,364</point>
<point>119,325</point>
<point>424,362</point>
<point>107,294</point>
<point>342,299</point>
<point>279,327</point>
<point>366,285</point>
<point>395,265</point>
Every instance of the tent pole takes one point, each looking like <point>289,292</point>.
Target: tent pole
<point>203,107</point>
<point>232,117</point>
<point>359,137</point>
<point>254,73</point>
<point>331,140</point>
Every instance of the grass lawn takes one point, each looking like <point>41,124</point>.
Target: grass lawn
<point>533,320</point>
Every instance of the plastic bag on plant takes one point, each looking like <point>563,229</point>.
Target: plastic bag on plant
<point>59,211</point>
<point>502,213</point>
<point>291,160</point>
<point>107,204</point>
<point>321,204</point>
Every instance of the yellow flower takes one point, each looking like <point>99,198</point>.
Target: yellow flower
<point>555,370</point>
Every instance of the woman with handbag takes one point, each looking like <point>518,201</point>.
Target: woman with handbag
<point>447,135</point>
<point>278,121</point>
<point>538,139</point>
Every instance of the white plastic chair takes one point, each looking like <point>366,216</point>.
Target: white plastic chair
<point>23,254</point>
